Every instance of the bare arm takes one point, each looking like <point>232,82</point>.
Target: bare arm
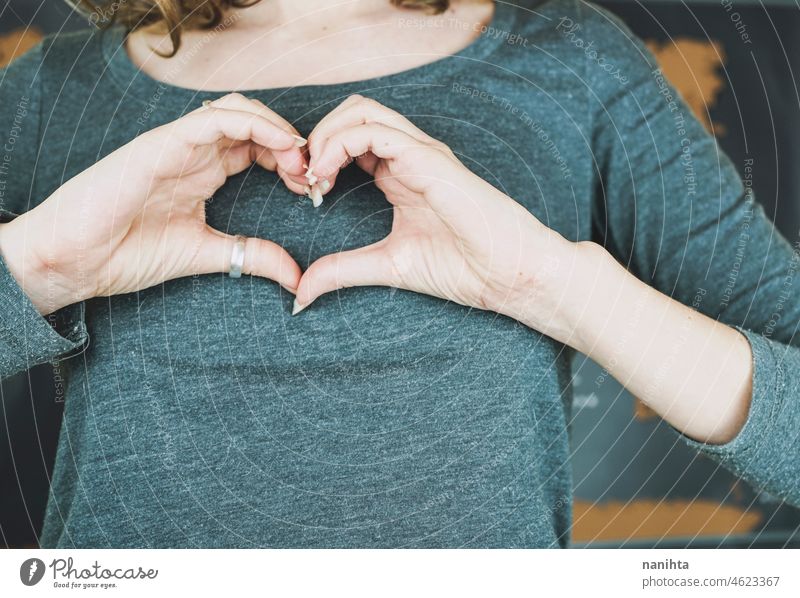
<point>458,238</point>
<point>694,371</point>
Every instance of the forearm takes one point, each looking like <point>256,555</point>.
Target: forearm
<point>693,371</point>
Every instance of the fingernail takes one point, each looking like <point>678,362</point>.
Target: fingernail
<point>316,196</point>
<point>297,308</point>
<point>299,141</point>
<point>310,176</point>
<point>325,185</point>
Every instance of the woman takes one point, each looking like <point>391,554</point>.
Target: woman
<point>507,159</point>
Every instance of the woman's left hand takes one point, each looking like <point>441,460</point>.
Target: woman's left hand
<point>454,235</point>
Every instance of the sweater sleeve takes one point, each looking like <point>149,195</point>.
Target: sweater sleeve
<point>673,209</point>
<point>26,337</point>
<point>765,450</point>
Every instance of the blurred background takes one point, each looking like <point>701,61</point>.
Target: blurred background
<point>737,64</point>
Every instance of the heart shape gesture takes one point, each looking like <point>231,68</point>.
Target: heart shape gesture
<point>454,236</point>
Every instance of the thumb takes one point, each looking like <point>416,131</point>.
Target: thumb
<point>262,258</point>
<point>363,267</point>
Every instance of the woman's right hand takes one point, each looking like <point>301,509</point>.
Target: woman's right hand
<point>137,217</point>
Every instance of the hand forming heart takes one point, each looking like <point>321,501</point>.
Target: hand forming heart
<point>136,218</point>
<point>454,236</point>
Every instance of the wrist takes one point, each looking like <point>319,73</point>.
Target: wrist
<point>565,298</point>
<point>604,300</point>
<point>595,289</point>
<point>40,279</point>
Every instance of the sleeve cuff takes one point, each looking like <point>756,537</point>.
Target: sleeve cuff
<point>765,452</point>
<point>759,426</point>
<point>27,338</point>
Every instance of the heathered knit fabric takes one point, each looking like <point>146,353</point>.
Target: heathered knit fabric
<point>199,413</point>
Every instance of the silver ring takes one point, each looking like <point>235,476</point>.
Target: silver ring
<point>237,257</point>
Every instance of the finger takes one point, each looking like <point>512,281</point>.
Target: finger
<point>241,155</point>
<point>358,110</point>
<point>290,166</point>
<point>295,184</point>
<point>382,141</point>
<point>368,163</point>
<point>212,125</point>
<point>262,258</point>
<point>265,158</point>
<point>293,160</point>
<point>237,101</point>
<point>366,266</point>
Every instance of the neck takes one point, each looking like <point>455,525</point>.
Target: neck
<point>283,43</point>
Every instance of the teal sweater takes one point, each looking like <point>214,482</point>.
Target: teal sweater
<point>199,413</point>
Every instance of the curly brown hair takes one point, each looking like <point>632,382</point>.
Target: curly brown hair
<point>177,16</point>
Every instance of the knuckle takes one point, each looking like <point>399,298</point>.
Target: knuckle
<point>219,179</point>
<point>367,103</point>
<point>364,103</point>
<point>442,148</point>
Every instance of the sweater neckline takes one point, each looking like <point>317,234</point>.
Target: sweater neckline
<point>139,85</point>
